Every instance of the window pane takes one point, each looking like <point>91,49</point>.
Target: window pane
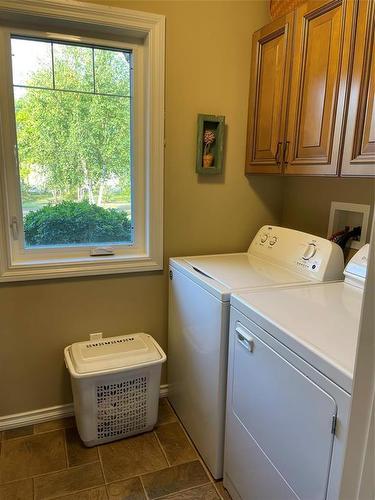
<point>74,152</point>
<point>32,63</point>
<point>112,72</point>
<point>73,67</point>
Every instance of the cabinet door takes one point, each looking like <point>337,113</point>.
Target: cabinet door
<point>269,79</point>
<point>319,74</point>
<point>359,141</point>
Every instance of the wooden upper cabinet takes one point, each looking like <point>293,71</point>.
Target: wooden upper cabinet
<point>318,79</point>
<point>359,140</point>
<point>269,81</point>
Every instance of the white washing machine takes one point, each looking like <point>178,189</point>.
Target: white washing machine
<point>291,362</point>
<point>199,294</point>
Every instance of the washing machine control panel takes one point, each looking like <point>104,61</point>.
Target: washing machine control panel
<point>307,254</point>
<point>310,259</point>
<point>273,241</point>
<point>268,239</point>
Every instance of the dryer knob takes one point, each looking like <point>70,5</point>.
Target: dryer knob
<point>309,252</point>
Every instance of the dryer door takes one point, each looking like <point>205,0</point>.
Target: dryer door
<point>279,421</point>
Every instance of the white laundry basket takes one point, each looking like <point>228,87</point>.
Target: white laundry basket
<point>115,383</point>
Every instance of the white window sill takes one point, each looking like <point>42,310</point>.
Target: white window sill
<point>69,268</point>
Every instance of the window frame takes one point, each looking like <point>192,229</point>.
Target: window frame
<point>144,34</point>
<point>19,252</point>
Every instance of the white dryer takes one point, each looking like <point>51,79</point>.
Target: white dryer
<point>291,362</point>
<point>199,294</point>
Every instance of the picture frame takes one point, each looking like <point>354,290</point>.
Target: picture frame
<point>210,144</point>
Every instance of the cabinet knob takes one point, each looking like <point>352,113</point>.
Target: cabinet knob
<point>285,152</point>
<point>278,151</point>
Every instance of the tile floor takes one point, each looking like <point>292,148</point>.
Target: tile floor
<point>48,460</point>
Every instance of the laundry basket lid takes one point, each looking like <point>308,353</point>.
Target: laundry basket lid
<point>111,353</point>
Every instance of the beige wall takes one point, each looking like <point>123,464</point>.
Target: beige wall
<point>307,200</point>
<point>208,49</point>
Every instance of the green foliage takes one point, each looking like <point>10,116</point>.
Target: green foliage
<point>72,222</point>
<point>78,142</point>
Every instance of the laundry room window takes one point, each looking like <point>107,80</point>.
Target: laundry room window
<point>73,111</point>
<point>76,118</point>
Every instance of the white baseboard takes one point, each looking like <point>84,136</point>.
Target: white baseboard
<point>164,391</point>
<point>36,416</point>
<point>46,414</point>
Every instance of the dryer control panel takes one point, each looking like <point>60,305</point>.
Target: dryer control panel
<point>315,257</point>
<point>356,269</point>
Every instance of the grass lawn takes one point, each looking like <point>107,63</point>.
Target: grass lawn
<point>37,201</point>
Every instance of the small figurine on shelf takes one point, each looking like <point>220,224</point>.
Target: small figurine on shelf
<point>210,144</point>
<point>208,139</point>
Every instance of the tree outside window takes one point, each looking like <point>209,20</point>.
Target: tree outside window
<point>73,117</point>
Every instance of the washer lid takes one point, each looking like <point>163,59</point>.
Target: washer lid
<point>114,352</point>
<point>243,270</point>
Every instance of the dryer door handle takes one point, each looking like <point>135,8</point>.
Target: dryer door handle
<point>243,337</point>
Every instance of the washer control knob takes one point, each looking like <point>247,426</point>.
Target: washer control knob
<point>272,241</point>
<point>309,252</point>
<point>264,238</point>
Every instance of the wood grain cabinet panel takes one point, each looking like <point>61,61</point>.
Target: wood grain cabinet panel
<point>269,81</point>
<point>359,140</point>
<point>318,79</point>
